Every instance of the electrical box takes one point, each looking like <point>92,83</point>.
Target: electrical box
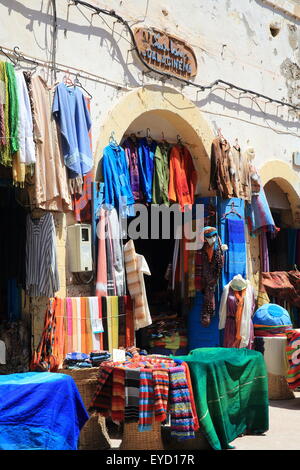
<point>80,248</point>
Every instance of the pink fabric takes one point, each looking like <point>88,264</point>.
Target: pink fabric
<point>101,285</point>
<point>69,323</point>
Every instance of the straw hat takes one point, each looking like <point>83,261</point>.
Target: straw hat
<point>238,283</point>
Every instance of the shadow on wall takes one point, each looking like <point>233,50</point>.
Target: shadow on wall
<point>65,25</point>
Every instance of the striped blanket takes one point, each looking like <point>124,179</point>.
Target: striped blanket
<point>293,356</point>
<point>182,421</point>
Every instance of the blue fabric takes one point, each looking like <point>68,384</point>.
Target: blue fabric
<point>271,315</point>
<point>14,301</point>
<point>117,188</point>
<point>235,261</point>
<point>260,214</point>
<point>198,335</point>
<point>74,121</point>
<point>292,241</point>
<point>40,411</point>
<point>146,166</point>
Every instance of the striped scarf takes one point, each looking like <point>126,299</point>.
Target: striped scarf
<point>118,395</point>
<point>182,422</point>
<point>132,386</point>
<point>146,400</point>
<point>293,356</point>
<point>102,399</point>
<point>161,390</point>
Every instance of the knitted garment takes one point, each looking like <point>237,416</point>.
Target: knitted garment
<point>118,395</point>
<point>146,400</point>
<point>182,422</point>
<point>293,356</point>
<point>161,390</point>
<point>102,399</point>
<point>193,404</point>
<point>132,389</point>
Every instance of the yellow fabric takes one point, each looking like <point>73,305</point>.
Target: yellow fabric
<point>172,342</point>
<point>5,156</point>
<point>109,323</point>
<point>115,321</point>
<point>19,170</point>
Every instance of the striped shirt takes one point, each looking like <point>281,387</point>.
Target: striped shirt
<point>41,265</point>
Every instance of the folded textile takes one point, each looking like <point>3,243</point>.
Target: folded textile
<point>182,422</point>
<point>146,400</point>
<point>132,390</point>
<point>118,395</point>
<point>161,390</point>
<point>77,356</point>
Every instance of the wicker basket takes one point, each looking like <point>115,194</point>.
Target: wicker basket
<point>133,439</point>
<point>93,435</point>
<point>278,388</point>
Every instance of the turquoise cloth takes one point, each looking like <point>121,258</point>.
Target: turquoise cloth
<point>231,392</point>
<point>40,411</point>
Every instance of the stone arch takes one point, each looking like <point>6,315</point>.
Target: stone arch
<point>288,180</point>
<point>169,104</point>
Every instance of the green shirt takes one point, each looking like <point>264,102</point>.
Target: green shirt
<point>161,173</point>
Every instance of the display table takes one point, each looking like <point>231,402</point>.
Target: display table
<point>274,350</point>
<point>231,393</point>
<point>40,411</point>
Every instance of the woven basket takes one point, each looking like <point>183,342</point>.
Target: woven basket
<point>133,439</point>
<point>93,435</point>
<point>278,388</point>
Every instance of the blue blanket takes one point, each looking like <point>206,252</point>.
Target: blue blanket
<point>235,257</point>
<point>40,411</point>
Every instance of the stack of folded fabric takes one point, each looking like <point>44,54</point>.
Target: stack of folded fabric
<point>77,360</point>
<point>97,357</point>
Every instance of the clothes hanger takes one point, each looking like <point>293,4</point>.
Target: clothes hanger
<point>148,136</point>
<point>179,140</point>
<point>237,145</point>
<point>67,80</point>
<point>232,211</point>
<point>10,58</point>
<point>220,135</point>
<point>112,139</point>
<point>20,58</point>
<point>77,83</point>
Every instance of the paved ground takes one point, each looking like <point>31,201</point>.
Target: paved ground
<point>284,432</point>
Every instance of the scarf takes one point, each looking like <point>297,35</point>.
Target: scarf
<point>161,390</point>
<point>182,422</point>
<point>102,399</point>
<point>146,400</point>
<point>132,390</point>
<point>118,395</point>
<point>193,404</point>
<point>5,155</point>
<point>13,108</point>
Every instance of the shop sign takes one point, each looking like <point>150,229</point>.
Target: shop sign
<point>166,53</point>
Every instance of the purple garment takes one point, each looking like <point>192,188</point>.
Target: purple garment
<point>131,151</point>
<point>264,253</point>
<point>230,326</point>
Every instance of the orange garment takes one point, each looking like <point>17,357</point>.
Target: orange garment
<point>209,251</point>
<point>59,337</point>
<point>190,387</point>
<point>183,176</point>
<point>239,295</point>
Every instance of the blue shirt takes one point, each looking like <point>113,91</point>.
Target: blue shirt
<point>73,117</point>
<point>117,189</point>
<point>146,165</point>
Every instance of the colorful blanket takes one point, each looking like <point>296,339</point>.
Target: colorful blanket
<point>231,392</point>
<point>293,356</point>
<point>182,422</point>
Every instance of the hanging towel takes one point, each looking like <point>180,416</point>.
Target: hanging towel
<point>101,320</point>
<point>161,390</point>
<point>129,322</point>
<point>146,400</point>
<point>101,286</point>
<point>13,108</point>
<point>115,321</point>
<point>182,423</point>
<point>235,257</point>
<point>118,395</point>
<point>96,322</point>
<point>132,390</point>
<point>75,315</point>
<point>59,338</point>
<point>109,323</point>
<point>122,321</point>
<point>89,334</point>
<point>69,324</point>
<point>78,320</point>
<point>105,323</point>
<point>83,326</point>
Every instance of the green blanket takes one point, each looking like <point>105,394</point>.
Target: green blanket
<point>231,392</point>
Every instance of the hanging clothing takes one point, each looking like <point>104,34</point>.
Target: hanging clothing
<point>239,174</point>
<point>101,284</point>
<point>235,314</point>
<point>146,151</point>
<point>72,115</point>
<point>219,168</point>
<point>25,122</point>
<point>131,150</point>
<point>161,175</point>
<point>208,268</point>
<point>183,176</point>
<point>13,108</point>
<point>49,190</point>
<point>117,256</point>
<point>41,263</point>
<point>259,215</point>
<point>117,189</point>
<point>136,267</point>
<point>5,154</point>
<point>235,257</point>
